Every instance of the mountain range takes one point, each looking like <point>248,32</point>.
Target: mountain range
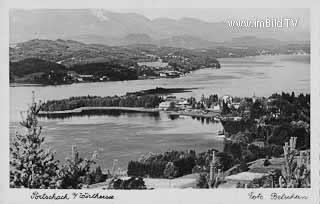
<point>111,28</point>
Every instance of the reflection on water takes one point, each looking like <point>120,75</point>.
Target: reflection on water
<point>96,112</point>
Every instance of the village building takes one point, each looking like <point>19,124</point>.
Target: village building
<point>236,105</point>
<point>84,77</point>
<point>258,144</point>
<point>243,178</point>
<point>104,78</point>
<point>182,104</point>
<point>165,105</point>
<point>227,99</point>
<point>171,98</point>
<point>215,107</point>
<point>163,74</point>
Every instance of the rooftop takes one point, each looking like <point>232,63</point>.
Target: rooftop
<point>245,176</point>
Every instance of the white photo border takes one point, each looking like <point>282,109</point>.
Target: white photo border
<point>8,195</point>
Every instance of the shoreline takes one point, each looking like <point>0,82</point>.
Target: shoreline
<point>25,84</point>
<point>194,114</point>
<point>131,109</point>
<point>81,109</point>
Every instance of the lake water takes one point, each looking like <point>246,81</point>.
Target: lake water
<point>127,136</point>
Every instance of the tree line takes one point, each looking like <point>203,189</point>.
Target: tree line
<point>145,101</point>
<point>173,164</point>
<point>34,70</point>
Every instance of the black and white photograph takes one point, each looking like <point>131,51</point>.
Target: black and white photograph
<point>116,100</point>
<point>147,99</point>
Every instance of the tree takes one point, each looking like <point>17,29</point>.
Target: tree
<point>296,170</point>
<point>78,172</point>
<point>172,106</point>
<point>136,183</point>
<point>225,109</point>
<point>30,165</point>
<point>202,181</point>
<point>170,171</point>
<point>257,110</point>
<point>33,167</point>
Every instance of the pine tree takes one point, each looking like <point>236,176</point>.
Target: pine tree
<point>30,165</point>
<point>296,171</point>
<point>78,172</point>
<point>170,170</point>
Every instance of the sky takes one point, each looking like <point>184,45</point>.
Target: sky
<point>223,14</point>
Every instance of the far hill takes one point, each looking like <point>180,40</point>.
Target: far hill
<point>42,61</point>
<point>68,52</point>
<point>186,41</point>
<point>136,39</point>
<point>32,65</point>
<point>251,41</point>
<point>33,70</point>
<point>113,28</point>
<point>38,71</point>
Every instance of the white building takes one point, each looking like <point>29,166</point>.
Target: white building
<point>244,177</point>
<point>162,74</point>
<point>227,99</point>
<point>183,102</point>
<point>165,105</point>
<point>215,108</point>
<point>236,105</point>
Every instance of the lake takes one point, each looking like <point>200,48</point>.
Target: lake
<point>127,136</point>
